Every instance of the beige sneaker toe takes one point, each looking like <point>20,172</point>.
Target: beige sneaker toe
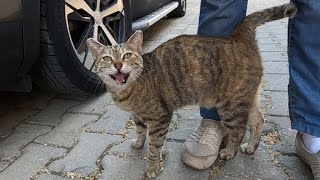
<point>311,159</point>
<point>201,149</point>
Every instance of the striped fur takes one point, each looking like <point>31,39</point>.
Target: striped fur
<point>212,72</point>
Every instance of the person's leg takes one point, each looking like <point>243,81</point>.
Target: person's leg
<point>304,85</point>
<point>217,19</point>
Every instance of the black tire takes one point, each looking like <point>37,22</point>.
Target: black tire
<point>59,68</point>
<point>180,11</point>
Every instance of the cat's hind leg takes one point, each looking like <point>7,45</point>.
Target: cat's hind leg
<point>234,119</point>
<point>141,132</point>
<point>255,123</point>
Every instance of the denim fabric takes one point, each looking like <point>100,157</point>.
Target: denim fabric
<point>304,67</point>
<point>219,18</point>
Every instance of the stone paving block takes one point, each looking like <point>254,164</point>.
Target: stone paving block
<point>3,165</point>
<point>33,100</point>
<point>279,102</point>
<point>37,100</point>
<point>256,166</point>
<point>51,115</point>
<point>276,67</point>
<point>125,147</point>
<point>12,119</point>
<point>275,47</point>
<point>276,82</point>
<point>274,56</point>
<point>123,168</point>
<point>286,134</point>
<point>65,133</point>
<point>94,105</point>
<point>262,35</point>
<point>113,121</point>
<point>34,158</point>
<point>23,134</point>
<point>184,129</point>
<point>51,177</point>
<point>295,168</point>
<point>263,41</point>
<point>82,158</point>
<point>174,168</point>
<point>190,112</point>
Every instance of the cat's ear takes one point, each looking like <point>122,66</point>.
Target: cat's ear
<point>95,48</point>
<point>136,40</point>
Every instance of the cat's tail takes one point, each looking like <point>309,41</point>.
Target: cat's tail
<point>270,14</point>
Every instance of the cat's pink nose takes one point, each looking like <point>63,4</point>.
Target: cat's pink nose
<point>118,66</point>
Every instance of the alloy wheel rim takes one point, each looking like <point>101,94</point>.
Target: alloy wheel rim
<point>102,20</point>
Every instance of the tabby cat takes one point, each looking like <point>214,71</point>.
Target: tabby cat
<point>212,72</point>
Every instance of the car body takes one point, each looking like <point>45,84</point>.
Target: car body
<point>30,33</point>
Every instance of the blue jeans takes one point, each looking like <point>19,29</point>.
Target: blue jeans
<point>219,18</point>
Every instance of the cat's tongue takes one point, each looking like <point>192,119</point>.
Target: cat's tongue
<point>120,78</point>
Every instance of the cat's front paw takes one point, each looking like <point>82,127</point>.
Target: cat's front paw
<point>153,169</point>
<point>227,154</point>
<point>137,144</point>
<point>247,149</point>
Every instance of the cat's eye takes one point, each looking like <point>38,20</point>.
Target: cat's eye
<point>127,56</point>
<point>107,58</point>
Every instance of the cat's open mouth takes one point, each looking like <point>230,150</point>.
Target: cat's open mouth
<point>120,77</point>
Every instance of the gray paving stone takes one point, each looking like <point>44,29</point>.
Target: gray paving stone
<point>279,102</point>
<point>276,82</point>
<point>263,41</point>
<point>23,134</point>
<point>184,129</point>
<point>113,121</point>
<point>263,35</point>
<point>283,29</point>
<point>125,148</point>
<point>51,177</point>
<point>3,165</point>
<point>276,67</point>
<point>295,168</point>
<point>36,100</point>
<point>190,112</point>
<point>82,158</point>
<point>34,158</point>
<point>256,166</point>
<point>174,168</point>
<point>286,134</point>
<point>94,105</point>
<point>275,47</point>
<point>122,168</point>
<point>12,119</point>
<point>274,56</point>
<point>51,115</point>
<point>65,133</point>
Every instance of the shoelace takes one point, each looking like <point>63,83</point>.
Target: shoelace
<point>197,134</point>
<point>207,135</point>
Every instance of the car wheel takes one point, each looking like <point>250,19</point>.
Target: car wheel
<point>180,10</point>
<point>66,66</point>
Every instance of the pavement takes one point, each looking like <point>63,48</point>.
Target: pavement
<point>50,137</point>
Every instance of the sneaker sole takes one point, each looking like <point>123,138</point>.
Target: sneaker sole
<point>199,163</point>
